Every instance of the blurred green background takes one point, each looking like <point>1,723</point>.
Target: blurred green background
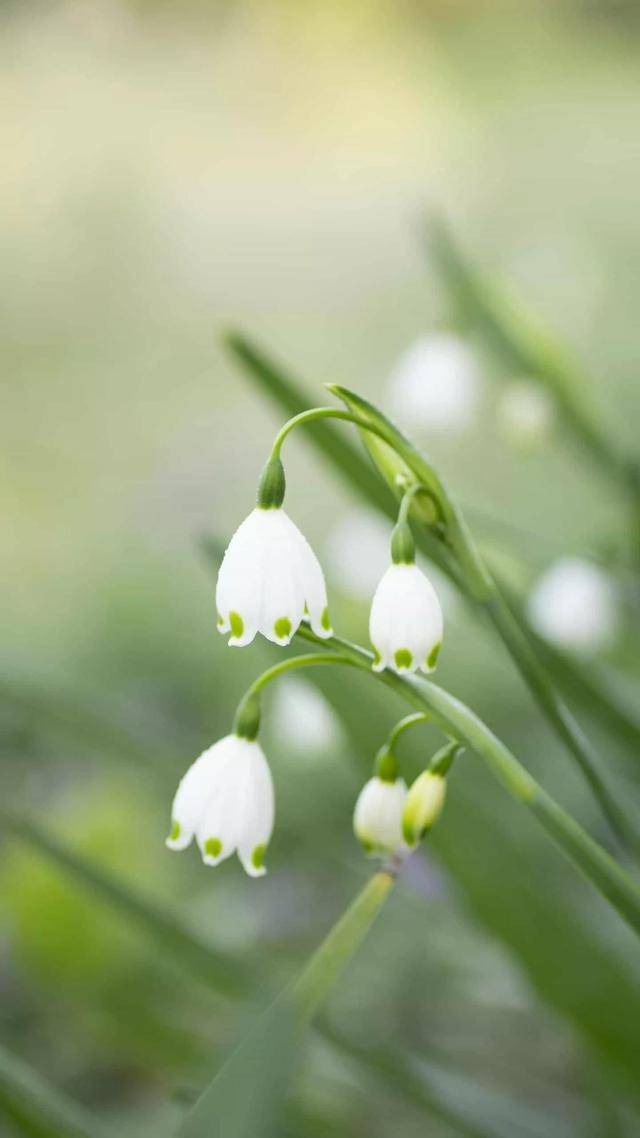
<point>173,168</point>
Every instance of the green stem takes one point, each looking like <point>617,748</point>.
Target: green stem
<point>404,725</point>
<point>314,984</point>
<point>315,413</point>
<point>561,718</point>
<point>453,716</point>
<point>309,660</point>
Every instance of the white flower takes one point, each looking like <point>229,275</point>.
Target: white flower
<point>423,806</point>
<point>436,384</point>
<point>525,413</point>
<point>377,818</point>
<point>269,580</point>
<point>405,625</point>
<point>226,800</point>
<point>574,606</point>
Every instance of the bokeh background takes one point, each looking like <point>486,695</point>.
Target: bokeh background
<point>170,169</point>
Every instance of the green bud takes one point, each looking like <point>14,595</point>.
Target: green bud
<point>247,721</point>
<point>385,765</point>
<point>272,485</point>
<point>403,549</point>
<point>442,760</point>
<point>423,806</point>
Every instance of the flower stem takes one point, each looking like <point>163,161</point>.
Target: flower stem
<point>315,413</point>
<point>455,717</point>
<point>315,982</point>
<point>309,660</point>
<point>404,725</point>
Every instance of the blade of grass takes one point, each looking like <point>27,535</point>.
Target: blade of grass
<point>217,970</point>
<point>520,340</point>
<point>244,1098</point>
<point>38,1108</point>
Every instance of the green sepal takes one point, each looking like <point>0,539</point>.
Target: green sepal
<point>386,765</point>
<point>247,721</point>
<point>398,461</point>
<point>403,547</point>
<point>272,485</point>
<point>442,760</point>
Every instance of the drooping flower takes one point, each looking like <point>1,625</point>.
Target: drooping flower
<point>270,578</point>
<point>435,385</point>
<point>423,805</point>
<point>574,605</point>
<point>377,817</point>
<point>226,801</point>
<point>405,623</point>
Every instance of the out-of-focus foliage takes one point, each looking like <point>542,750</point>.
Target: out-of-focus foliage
<point>171,169</point>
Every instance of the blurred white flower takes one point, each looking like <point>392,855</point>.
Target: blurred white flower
<point>269,579</point>
<point>525,413</point>
<point>226,799</point>
<point>435,385</point>
<point>574,606</point>
<point>423,806</point>
<point>405,624</point>
<point>302,716</point>
<point>377,818</point>
<point>357,552</point>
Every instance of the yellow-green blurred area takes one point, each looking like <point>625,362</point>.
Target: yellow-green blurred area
<point>172,169</point>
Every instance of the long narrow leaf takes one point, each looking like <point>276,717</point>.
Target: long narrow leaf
<point>213,967</point>
<point>519,339</point>
<point>38,1108</point>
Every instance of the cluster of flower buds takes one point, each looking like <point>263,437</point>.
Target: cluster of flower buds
<point>391,819</point>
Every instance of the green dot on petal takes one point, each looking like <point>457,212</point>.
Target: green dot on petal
<point>175,831</point>
<point>213,847</point>
<point>236,624</point>
<point>257,857</point>
<point>403,658</point>
<point>282,627</point>
<point>433,656</point>
<point>376,656</point>
<point>324,620</point>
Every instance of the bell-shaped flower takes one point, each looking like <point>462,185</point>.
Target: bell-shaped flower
<point>405,623</point>
<point>226,800</point>
<point>377,818</point>
<point>423,805</point>
<point>270,578</point>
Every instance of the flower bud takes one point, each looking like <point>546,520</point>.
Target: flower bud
<point>377,818</point>
<point>423,806</point>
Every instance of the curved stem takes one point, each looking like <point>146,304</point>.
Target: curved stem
<point>407,498</point>
<point>315,413</point>
<point>309,660</point>
<point>453,716</point>
<point>404,725</point>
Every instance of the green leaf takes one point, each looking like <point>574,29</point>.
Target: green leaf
<point>38,1108</point>
<point>245,1097</point>
<point>520,340</point>
<point>162,927</point>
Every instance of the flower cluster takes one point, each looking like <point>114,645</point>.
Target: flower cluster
<point>270,581</point>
